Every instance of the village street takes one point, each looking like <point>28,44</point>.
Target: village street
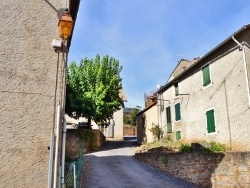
<point>114,167</point>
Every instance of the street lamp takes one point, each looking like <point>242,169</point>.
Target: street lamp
<point>65,25</point>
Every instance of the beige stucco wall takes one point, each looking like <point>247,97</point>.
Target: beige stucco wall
<point>140,131</point>
<point>145,121</point>
<point>227,95</point>
<point>118,127</point>
<point>28,74</point>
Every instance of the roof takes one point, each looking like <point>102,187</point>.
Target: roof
<point>73,8</point>
<point>182,65</point>
<point>147,108</point>
<point>170,83</point>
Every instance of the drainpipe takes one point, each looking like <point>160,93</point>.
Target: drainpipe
<point>51,154</point>
<point>57,146</point>
<point>63,150</point>
<point>245,66</point>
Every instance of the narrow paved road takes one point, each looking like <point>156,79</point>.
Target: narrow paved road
<point>115,167</point>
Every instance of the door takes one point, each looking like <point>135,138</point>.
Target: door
<point>169,124</point>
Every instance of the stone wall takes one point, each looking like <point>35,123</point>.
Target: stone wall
<point>74,141</point>
<point>100,137</point>
<point>129,131</point>
<point>205,169</point>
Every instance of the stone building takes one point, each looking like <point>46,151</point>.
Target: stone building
<point>32,88</point>
<point>206,99</point>
<point>209,100</point>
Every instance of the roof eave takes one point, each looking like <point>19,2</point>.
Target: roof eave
<point>161,90</point>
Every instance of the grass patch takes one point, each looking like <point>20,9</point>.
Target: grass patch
<point>211,147</point>
<point>164,143</point>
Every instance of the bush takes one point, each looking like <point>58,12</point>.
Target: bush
<point>185,148</point>
<point>157,132</point>
<point>215,147</point>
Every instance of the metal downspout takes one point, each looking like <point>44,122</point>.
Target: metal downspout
<point>57,147</point>
<point>245,66</point>
<point>51,154</point>
<point>63,151</point>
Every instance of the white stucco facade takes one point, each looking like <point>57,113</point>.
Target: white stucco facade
<point>227,95</point>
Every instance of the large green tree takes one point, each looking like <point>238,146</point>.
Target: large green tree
<point>93,88</point>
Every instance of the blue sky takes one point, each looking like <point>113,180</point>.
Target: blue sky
<point>149,37</point>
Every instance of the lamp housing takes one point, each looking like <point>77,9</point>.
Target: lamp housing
<point>65,25</point>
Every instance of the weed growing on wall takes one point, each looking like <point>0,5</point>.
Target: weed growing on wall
<point>165,160</point>
<point>89,138</point>
<point>185,148</point>
<point>215,147</point>
<point>157,131</point>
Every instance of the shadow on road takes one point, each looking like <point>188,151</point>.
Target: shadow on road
<point>114,166</point>
<point>126,172</point>
<point>127,142</point>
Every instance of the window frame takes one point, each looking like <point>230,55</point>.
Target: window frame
<point>175,111</point>
<point>210,75</point>
<point>215,132</point>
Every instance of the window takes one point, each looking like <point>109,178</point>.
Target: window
<point>169,124</point>
<point>178,135</point>
<point>177,107</point>
<point>176,89</point>
<point>210,121</point>
<point>206,75</point>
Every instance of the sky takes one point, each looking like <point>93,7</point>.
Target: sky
<point>149,37</point>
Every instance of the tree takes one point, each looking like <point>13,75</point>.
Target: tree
<point>132,116</point>
<point>130,119</point>
<point>93,88</point>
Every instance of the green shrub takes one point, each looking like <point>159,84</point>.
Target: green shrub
<point>215,147</point>
<point>165,160</point>
<point>185,148</point>
<point>157,131</point>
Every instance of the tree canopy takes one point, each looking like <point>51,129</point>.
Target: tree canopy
<point>93,88</point>
<point>130,119</point>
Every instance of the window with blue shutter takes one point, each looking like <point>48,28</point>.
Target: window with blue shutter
<point>210,121</point>
<point>177,111</point>
<point>206,75</point>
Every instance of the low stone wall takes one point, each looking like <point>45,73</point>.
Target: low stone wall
<point>100,137</point>
<point>222,170</point>
<point>73,142</point>
<point>129,131</point>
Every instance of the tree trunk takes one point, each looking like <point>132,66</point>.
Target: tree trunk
<point>89,122</point>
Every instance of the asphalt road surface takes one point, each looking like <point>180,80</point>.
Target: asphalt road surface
<point>115,167</point>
